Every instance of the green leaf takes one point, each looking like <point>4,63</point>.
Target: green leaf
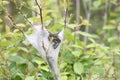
<point>78,68</point>
<point>30,78</point>
<point>108,27</point>
<point>76,53</point>
<point>64,78</point>
<point>1,20</point>
<point>5,3</point>
<point>7,29</point>
<point>87,34</point>
<point>55,27</point>
<point>23,49</point>
<point>20,25</point>
<point>72,26</point>
<point>68,35</point>
<point>17,59</point>
<point>96,4</point>
<point>98,69</point>
<point>5,43</point>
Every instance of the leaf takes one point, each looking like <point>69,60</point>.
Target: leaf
<point>7,29</point>
<point>17,59</point>
<point>85,22</point>
<point>108,27</point>
<point>1,20</point>
<point>4,3</point>
<point>112,39</point>
<point>55,27</point>
<point>72,26</point>
<point>23,49</point>
<point>78,68</point>
<point>92,45</point>
<point>64,78</point>
<point>30,78</point>
<point>96,4</point>
<point>68,35</point>
<point>21,25</point>
<point>16,30</point>
<point>87,34</point>
<point>76,53</point>
<point>98,69</point>
<point>5,43</point>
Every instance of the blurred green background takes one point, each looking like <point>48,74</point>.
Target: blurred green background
<point>90,50</point>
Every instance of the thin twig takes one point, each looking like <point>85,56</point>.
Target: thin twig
<point>14,24</point>
<point>25,17</point>
<point>66,12</point>
<point>40,9</point>
<point>20,11</point>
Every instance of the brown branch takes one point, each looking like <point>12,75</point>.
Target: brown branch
<point>40,9</point>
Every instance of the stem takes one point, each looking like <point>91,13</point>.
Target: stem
<point>105,13</point>
<point>77,11</point>
<point>88,14</point>
<point>40,9</point>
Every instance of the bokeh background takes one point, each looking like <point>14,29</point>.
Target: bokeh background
<point>90,50</point>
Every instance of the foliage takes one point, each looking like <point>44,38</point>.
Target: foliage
<point>96,60</point>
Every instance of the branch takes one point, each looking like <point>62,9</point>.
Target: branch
<point>78,11</point>
<point>40,9</point>
<point>20,11</point>
<point>66,12</point>
<point>24,16</point>
<point>105,13</point>
<point>14,24</point>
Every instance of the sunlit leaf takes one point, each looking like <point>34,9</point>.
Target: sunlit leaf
<point>72,26</point>
<point>4,3</point>
<point>5,43</point>
<point>68,35</point>
<point>23,49</point>
<point>78,68</point>
<point>1,20</point>
<point>20,25</point>
<point>64,78</point>
<point>30,78</point>
<point>7,29</point>
<point>56,27</point>
<point>109,27</point>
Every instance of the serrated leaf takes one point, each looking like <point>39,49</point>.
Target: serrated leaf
<point>78,68</point>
